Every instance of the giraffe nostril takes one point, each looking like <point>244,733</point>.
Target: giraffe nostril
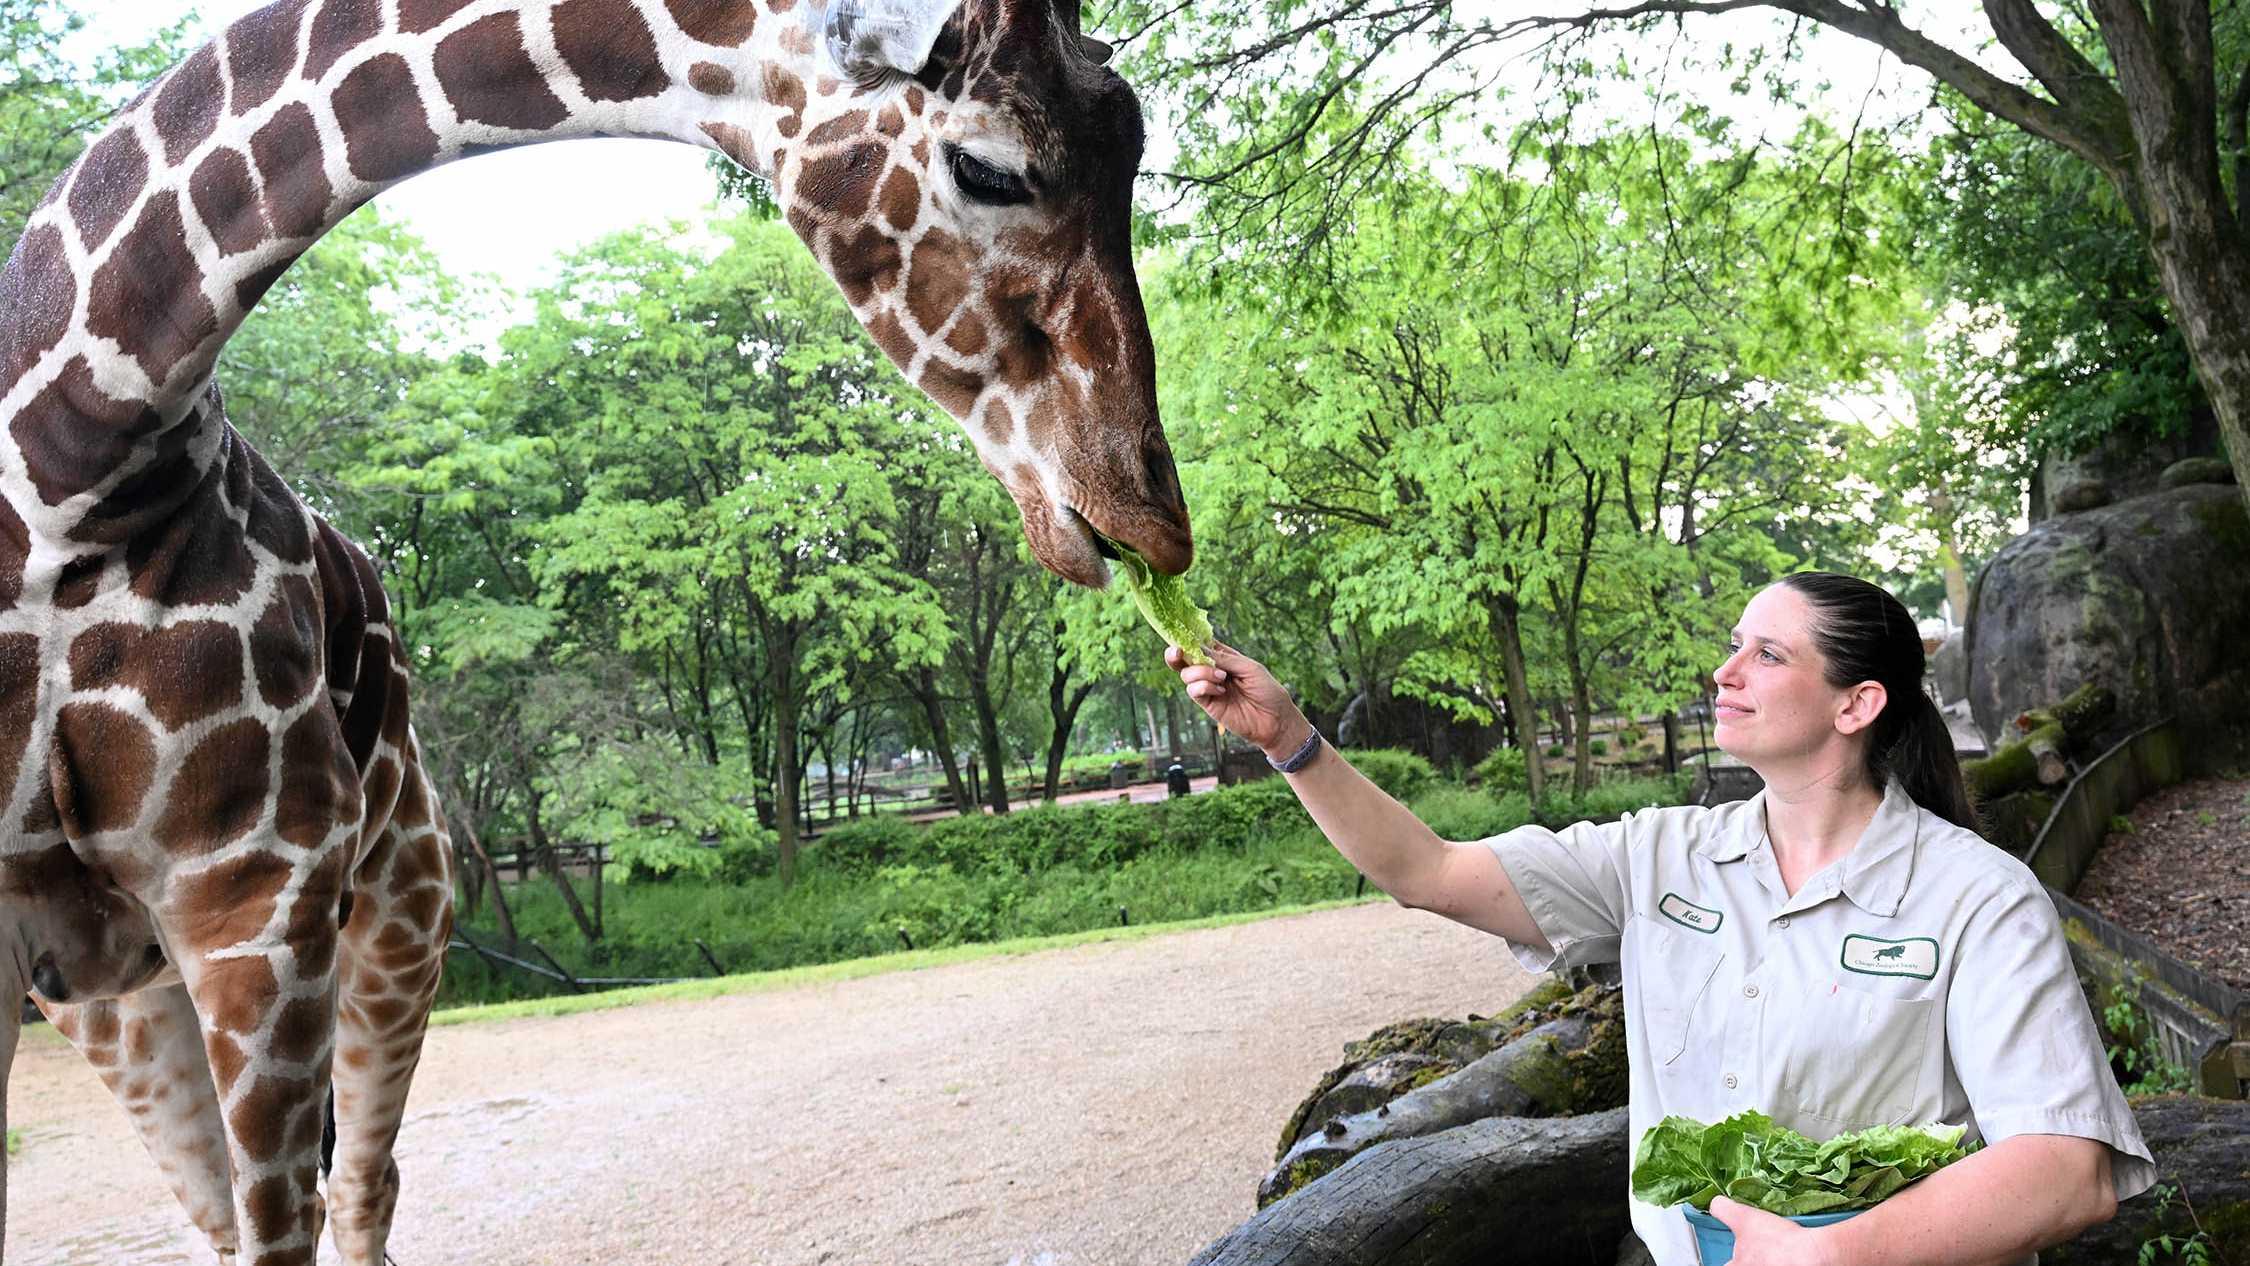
<point>1163,476</point>
<point>48,980</point>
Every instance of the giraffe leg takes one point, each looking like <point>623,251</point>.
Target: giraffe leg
<point>258,954</point>
<point>393,950</point>
<point>147,1047</point>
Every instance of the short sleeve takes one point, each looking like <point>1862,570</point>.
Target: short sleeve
<point>2022,1039</point>
<point>1573,882</point>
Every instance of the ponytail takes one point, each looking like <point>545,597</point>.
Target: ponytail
<point>1865,634</point>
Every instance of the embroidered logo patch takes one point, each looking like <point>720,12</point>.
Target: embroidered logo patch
<point>1915,956</point>
<point>1694,917</point>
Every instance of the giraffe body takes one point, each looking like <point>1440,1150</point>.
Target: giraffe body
<point>220,854</point>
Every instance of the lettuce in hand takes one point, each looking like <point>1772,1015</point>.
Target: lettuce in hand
<point>1750,1159</point>
<point>1165,605</point>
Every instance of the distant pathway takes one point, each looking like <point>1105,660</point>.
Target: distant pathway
<point>1103,1104</point>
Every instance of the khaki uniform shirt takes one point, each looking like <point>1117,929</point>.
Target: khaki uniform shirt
<point>1921,978</point>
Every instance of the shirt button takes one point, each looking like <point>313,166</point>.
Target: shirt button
<point>1784,922</point>
<point>1730,1081</point>
<point>1749,991</point>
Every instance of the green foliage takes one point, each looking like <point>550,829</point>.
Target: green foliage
<point>1459,813</point>
<point>1748,1158</point>
<point>1597,747</point>
<point>1504,770</point>
<point>2134,1049</point>
<point>2189,1250</point>
<point>1402,774</point>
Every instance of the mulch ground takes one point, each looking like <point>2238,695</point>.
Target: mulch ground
<point>2181,876</point>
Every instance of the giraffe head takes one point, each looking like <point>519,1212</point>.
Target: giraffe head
<point>964,170</point>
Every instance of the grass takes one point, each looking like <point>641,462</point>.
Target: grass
<point>856,969</point>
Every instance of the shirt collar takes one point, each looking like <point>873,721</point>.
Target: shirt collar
<point>1873,875</point>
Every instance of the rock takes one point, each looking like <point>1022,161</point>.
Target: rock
<point>2202,1151</point>
<point>2148,597</point>
<point>1949,668</point>
<point>2196,470</point>
<point>1507,1189</point>
<point>1634,1253</point>
<point>2083,495</point>
<point>1399,1057</point>
<point>1569,1065</point>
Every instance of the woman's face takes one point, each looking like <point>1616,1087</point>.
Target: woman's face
<point>1773,700</point>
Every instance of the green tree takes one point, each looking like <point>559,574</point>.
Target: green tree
<point>51,106</point>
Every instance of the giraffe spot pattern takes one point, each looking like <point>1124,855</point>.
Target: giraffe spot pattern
<point>339,27</point>
<point>489,77</point>
<point>287,151</point>
<point>387,134</point>
<point>165,478</point>
<point>939,281</point>
<point>37,294</point>
<point>902,199</point>
<point>277,521</point>
<point>863,261</point>
<point>301,1031</point>
<point>103,762</point>
<point>80,580</point>
<point>711,79</point>
<point>261,50</point>
<point>227,202</point>
<point>194,556</point>
<point>149,296</point>
<point>108,180</point>
<point>185,672</point>
<point>72,435</point>
<point>313,798</point>
<point>281,642</point>
<point>608,46</point>
<point>187,106</point>
<point>955,389</point>
<point>843,183</point>
<point>220,791</point>
<point>786,91</point>
<point>891,122</point>
<point>15,543</point>
<point>719,23</point>
<point>417,16</point>
<point>734,143</point>
<point>967,336</point>
<point>19,698</point>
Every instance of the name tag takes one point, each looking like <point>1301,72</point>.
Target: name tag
<point>1695,917</point>
<point>1915,956</point>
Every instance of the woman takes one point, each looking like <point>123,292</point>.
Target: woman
<point>1838,952</point>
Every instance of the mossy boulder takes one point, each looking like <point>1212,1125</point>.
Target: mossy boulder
<point>2148,597</point>
<point>2196,470</point>
<point>2202,1151</point>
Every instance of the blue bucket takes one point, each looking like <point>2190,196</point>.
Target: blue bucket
<point>1714,1243</point>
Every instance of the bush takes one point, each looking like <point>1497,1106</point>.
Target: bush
<point>1458,813</point>
<point>1598,747</point>
<point>1613,798</point>
<point>1402,774</point>
<point>1632,736</point>
<point>1503,770</point>
<point>1555,752</point>
<point>862,846</point>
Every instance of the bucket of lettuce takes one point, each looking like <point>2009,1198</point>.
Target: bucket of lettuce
<point>1748,1158</point>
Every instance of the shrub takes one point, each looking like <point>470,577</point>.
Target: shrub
<point>1397,772</point>
<point>862,846</point>
<point>1458,813</point>
<point>1598,747</point>
<point>1632,736</point>
<point>1554,752</point>
<point>1504,770</point>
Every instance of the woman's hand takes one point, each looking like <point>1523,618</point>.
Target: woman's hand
<point>1243,698</point>
<point>1767,1239</point>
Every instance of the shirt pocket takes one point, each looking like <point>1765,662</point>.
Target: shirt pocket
<point>1856,1059</point>
<point>1673,968</point>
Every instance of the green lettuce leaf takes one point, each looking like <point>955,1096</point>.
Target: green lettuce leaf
<point>1164,603</point>
<point>1767,1166</point>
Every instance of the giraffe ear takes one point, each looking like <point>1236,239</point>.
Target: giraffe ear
<point>1096,51</point>
<point>870,38</point>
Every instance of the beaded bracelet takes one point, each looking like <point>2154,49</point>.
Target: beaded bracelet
<point>1301,757</point>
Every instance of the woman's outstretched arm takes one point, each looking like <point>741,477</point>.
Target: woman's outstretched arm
<point>1395,850</point>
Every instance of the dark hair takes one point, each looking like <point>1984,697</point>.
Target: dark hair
<point>1866,635</point>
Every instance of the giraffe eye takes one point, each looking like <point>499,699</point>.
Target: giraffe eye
<point>983,182</point>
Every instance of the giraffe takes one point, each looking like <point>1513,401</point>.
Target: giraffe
<point>224,865</point>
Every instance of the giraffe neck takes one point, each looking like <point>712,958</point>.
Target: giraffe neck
<point>152,250</point>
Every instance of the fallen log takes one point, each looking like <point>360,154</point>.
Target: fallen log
<point>2081,716</point>
<point>1506,1190</point>
<point>2202,1151</point>
<point>1574,1063</point>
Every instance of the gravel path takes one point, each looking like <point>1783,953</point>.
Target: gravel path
<point>2181,876</point>
<point>1099,1104</point>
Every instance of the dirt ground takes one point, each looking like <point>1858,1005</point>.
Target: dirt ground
<point>2181,875</point>
<point>1099,1104</point>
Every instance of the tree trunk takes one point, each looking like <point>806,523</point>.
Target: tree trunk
<point>1507,629</point>
<point>1571,1064</point>
<point>1671,740</point>
<point>1062,706</point>
<point>1503,1190</point>
<point>923,686</point>
<point>465,830</point>
<point>988,740</point>
<point>785,771</point>
<point>553,866</point>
